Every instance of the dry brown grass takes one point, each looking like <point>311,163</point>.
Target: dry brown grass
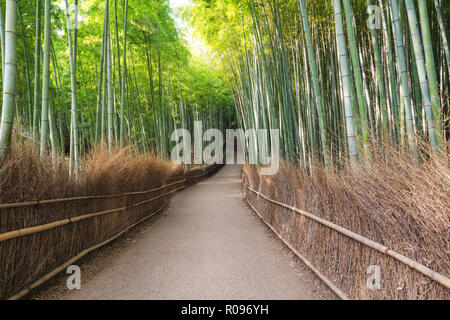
<point>402,206</point>
<point>24,177</point>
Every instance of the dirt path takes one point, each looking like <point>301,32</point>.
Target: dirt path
<point>206,245</point>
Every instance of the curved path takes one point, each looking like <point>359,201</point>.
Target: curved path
<point>205,245</point>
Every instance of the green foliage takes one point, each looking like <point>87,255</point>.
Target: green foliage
<point>151,31</point>
<point>314,70</point>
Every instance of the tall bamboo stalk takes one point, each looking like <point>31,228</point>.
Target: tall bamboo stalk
<point>346,86</point>
<point>358,76</point>
<point>2,35</point>
<point>45,77</point>
<point>315,80</point>
<point>100,80</point>
<point>404,85</point>
<point>380,80</point>
<point>52,129</point>
<point>37,69</point>
<point>110,76</point>
<point>431,70</point>
<point>421,71</point>
<point>443,31</point>
<point>74,122</point>
<point>27,68</point>
<point>116,27</point>
<point>9,86</point>
<point>124,74</point>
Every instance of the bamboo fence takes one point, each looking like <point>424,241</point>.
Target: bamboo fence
<point>433,275</point>
<point>34,230</point>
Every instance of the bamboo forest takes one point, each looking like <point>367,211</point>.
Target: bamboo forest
<point>349,97</point>
<point>336,80</point>
<point>142,83</point>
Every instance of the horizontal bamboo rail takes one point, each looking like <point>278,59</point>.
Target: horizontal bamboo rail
<point>40,202</point>
<point>330,284</point>
<point>433,275</point>
<point>45,227</point>
<point>51,201</point>
<point>71,261</point>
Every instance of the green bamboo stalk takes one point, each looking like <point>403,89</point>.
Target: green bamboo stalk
<point>443,31</point>
<point>415,85</point>
<point>404,87</point>
<point>100,80</point>
<point>45,77</point>
<point>2,35</point>
<point>267,80</point>
<point>421,71</point>
<point>75,35</point>
<point>358,77</point>
<point>91,132</point>
<point>380,80</point>
<point>109,74</point>
<point>9,86</point>
<point>74,125</point>
<point>27,68</point>
<point>150,72</point>
<point>139,109</point>
<point>74,27</point>
<point>392,80</point>
<point>315,81</point>
<point>52,127</point>
<point>62,108</point>
<point>124,74</point>
<point>115,122</point>
<point>162,114</point>
<point>116,25</point>
<point>345,78</point>
<point>334,92</point>
<point>104,97</point>
<point>37,69</point>
<point>431,70</point>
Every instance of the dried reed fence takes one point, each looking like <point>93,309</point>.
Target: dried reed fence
<point>115,191</point>
<point>402,207</point>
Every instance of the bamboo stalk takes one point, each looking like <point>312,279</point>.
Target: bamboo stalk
<point>421,72</point>
<point>27,72</point>
<point>358,77</point>
<point>2,36</point>
<point>315,80</point>
<point>380,81</point>
<point>74,123</point>
<point>9,85</point>
<point>124,74</point>
<point>443,33</point>
<point>46,77</point>
<point>37,70</point>
<point>110,80</point>
<point>431,70</point>
<point>345,78</point>
<point>404,86</point>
